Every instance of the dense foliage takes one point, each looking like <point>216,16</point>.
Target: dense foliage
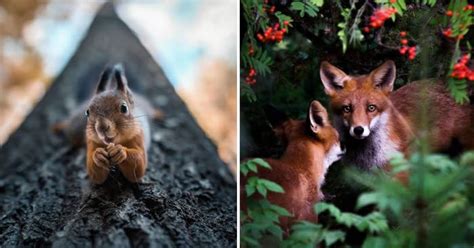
<point>282,46</point>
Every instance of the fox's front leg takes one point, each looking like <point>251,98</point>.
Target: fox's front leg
<point>97,164</point>
<point>130,161</point>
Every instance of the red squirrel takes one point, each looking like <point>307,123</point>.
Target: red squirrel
<point>312,146</point>
<point>117,132</point>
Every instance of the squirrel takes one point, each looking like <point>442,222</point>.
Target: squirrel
<point>115,127</point>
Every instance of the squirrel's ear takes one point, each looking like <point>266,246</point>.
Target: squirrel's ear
<point>120,77</point>
<point>104,79</point>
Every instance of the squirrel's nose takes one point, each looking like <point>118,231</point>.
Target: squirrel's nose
<point>103,127</point>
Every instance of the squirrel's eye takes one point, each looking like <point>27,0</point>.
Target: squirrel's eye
<point>123,108</point>
<point>87,113</point>
<point>371,108</point>
<point>346,109</point>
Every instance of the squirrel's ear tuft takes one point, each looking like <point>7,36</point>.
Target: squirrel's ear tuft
<point>104,79</point>
<point>120,77</point>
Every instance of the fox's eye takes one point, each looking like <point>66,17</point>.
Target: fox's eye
<point>371,108</point>
<point>87,113</point>
<point>123,108</point>
<point>346,109</point>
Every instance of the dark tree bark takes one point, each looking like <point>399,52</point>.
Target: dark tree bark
<point>187,198</point>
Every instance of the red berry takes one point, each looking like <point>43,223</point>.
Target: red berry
<point>286,23</point>
<point>403,33</point>
<point>366,29</point>
<point>260,37</point>
<point>393,1</point>
<point>404,41</point>
<point>447,32</point>
<point>272,9</point>
<point>403,50</point>
<point>471,76</point>
<point>449,13</point>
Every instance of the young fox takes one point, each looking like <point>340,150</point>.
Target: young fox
<point>312,146</point>
<point>374,122</point>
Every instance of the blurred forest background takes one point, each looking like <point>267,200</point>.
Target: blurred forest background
<point>282,46</point>
<point>193,41</point>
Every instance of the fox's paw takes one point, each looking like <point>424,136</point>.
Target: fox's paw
<point>101,158</point>
<point>117,153</point>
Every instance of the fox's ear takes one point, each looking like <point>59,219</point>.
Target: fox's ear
<point>274,116</point>
<point>384,76</point>
<point>104,79</point>
<point>317,116</point>
<point>332,77</point>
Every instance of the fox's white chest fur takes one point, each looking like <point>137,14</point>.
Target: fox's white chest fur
<point>375,150</point>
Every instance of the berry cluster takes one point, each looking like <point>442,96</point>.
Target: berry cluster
<point>461,70</point>
<point>379,16</point>
<point>448,32</point>
<point>270,10</point>
<point>273,34</point>
<point>250,79</point>
<point>410,51</point>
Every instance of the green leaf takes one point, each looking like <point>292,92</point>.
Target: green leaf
<point>252,166</point>
<point>458,90</point>
<point>318,3</point>
<point>271,186</point>
<point>366,199</point>
<point>374,242</point>
<point>262,163</point>
<point>280,211</point>
<point>261,189</point>
<point>243,169</point>
<point>331,237</point>
<point>249,189</point>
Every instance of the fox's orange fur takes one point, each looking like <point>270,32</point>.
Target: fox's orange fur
<point>375,122</point>
<point>312,145</point>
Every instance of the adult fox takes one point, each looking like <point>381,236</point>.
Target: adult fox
<point>375,122</point>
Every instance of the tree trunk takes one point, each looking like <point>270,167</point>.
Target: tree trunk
<point>187,198</point>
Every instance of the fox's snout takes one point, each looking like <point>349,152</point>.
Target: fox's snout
<point>359,132</point>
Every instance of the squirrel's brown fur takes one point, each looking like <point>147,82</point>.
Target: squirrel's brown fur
<point>115,128</point>
<point>113,134</point>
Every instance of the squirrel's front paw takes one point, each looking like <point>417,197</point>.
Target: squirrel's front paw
<point>100,158</point>
<point>117,153</point>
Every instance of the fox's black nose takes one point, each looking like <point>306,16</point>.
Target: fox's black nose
<point>358,130</point>
<point>343,147</point>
